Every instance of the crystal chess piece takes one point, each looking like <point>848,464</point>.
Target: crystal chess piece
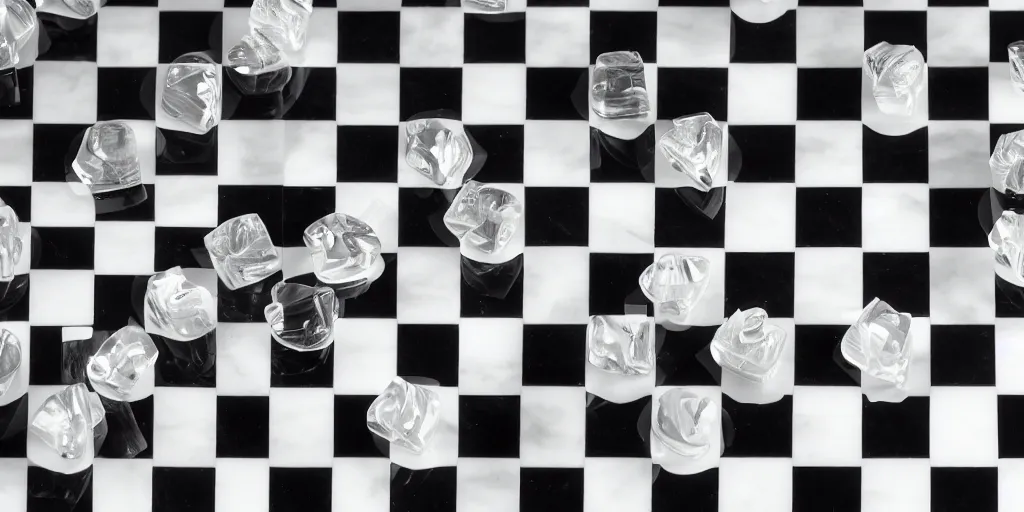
<point>685,422</point>
<point>1007,240</point>
<point>344,250</point>
<point>302,317</point>
<point>438,149</point>
<point>675,283</point>
<point>486,5</point>
<point>485,217</point>
<point>10,242</point>
<point>405,414</point>
<point>1007,163</point>
<point>621,344</point>
<point>897,76</point>
<point>192,91</point>
<point>121,361</point>
<point>748,346</point>
<point>694,147</point>
<point>107,159</point>
<point>1016,52</point>
<point>66,420</point>
<point>282,22</point>
<point>242,251</point>
<point>176,308</point>
<point>17,22</point>
<point>256,55</point>
<point>879,343</point>
<point>77,9</point>
<point>10,359</point>
<point>619,88</point>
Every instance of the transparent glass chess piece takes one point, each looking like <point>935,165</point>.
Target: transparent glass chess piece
<point>748,346</point>
<point>177,308</point>
<point>78,9</point>
<point>619,87</point>
<point>486,5</point>
<point>1007,163</point>
<point>675,283</point>
<point>405,414</point>
<point>685,422</point>
<point>694,147</point>
<point>107,159</point>
<point>282,22</point>
<point>256,55</point>
<point>1007,241</point>
<point>878,343</point>
<point>17,22</point>
<point>302,317</point>
<point>1016,52</point>
<point>192,91</point>
<point>621,344</point>
<point>66,420</point>
<point>10,242</point>
<point>10,359</point>
<point>485,217</point>
<point>438,149</point>
<point>121,361</point>
<point>897,75</point>
<point>242,251</point>
<point>344,250</point>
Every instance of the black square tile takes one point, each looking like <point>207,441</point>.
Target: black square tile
<point>291,369</point>
<point>554,355</point>
<point>45,357</point>
<point>767,429</point>
<point>126,93</point>
<point>301,207</point>
<point>113,301</point>
<point>368,154</point>
<point>615,160</point>
<point>763,280</point>
<point>613,279</point>
<point>679,222</point>
<point>351,437</point>
<point>895,430</point>
<point>681,358</point>
<point>953,218</point>
<point>301,489</point>
<point>612,430</point>
<point>65,248</point>
<point>900,278</point>
<point>65,39</point>
<point>430,351</point>
<point>963,355</point>
<point>612,31</point>
<point>895,159</point>
<point>316,103</point>
<point>557,93</point>
<point>49,491</point>
<point>48,162</point>
<point>897,27</point>
<point>14,305</point>
<point>183,153</point>
<point>557,216</point>
<point>958,93</point>
<point>429,490</point>
<point>263,200</point>
<point>1011,419</point>
<point>380,301</point>
<point>1003,29</point>
<point>142,411</point>
<point>488,426</point>
<point>965,489</point>
<point>23,80</point>
<point>178,247</point>
<point>142,212</point>
<point>774,41</point>
<point>177,489</point>
<point>491,290</point>
<point>421,218</point>
<point>828,94</point>
<point>504,146</point>
<point>243,427</point>
<point>368,36</point>
<point>558,489</point>
<point>495,38</point>
<point>836,489</point>
<point>814,347</point>
<point>769,153</point>
<point>14,428</point>
<point>686,91</point>
<point>20,200</point>
<point>245,304</point>
<point>699,492</point>
<point>193,32</point>
<point>828,217</point>
<point>428,89</point>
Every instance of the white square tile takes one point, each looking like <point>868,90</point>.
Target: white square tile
<point>431,37</point>
<point>829,37</point>
<point>370,355</point>
<point>186,201</point>
<point>710,310</point>
<point>556,154</point>
<point>125,37</point>
<point>558,37</point>
<point>964,427</point>
<point>56,205</point>
<point>311,153</point>
<point>243,359</point>
<point>896,5</point>
<point>1011,485</point>
<point>428,285</point>
<point>301,427</point>
<point>895,217</point>
<point>487,485</point>
<point>369,5</point>
<point>443,449</point>
<point>16,159</point>
<point>761,217</point>
<point>14,485</point>
<point>829,154</point>
<point>556,285</point>
<point>185,427</point>
<point>375,204</point>
<point>826,426</point>
<point>242,485</point>
<point>961,285</point>
<point>64,92</point>
<point>765,485</point>
<point>295,261</point>
<point>60,297</point>
<point>361,484</point>
<point>621,217</point>
<point>696,37</point>
<point>124,248</point>
<point>829,286</point>
<point>552,431</point>
<point>878,494</point>
<point>624,5</point>
<point>1009,355</point>
<point>1005,103</point>
<point>190,5</point>
<point>251,152</point>
<point>954,147</point>
<point>494,94</point>
<point>122,485</point>
<point>616,484</point>
<point>368,94</point>
<point>762,94</point>
<point>1003,5</point>
<point>321,49</point>
<point>490,356</point>
<point>958,36</point>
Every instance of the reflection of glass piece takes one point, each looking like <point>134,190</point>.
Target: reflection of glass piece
<point>619,87</point>
<point>242,251</point>
<point>66,420</point>
<point>10,241</point>
<point>255,55</point>
<point>1016,51</point>
<point>1007,240</point>
<point>1007,163</point>
<point>485,217</point>
<point>486,5</point>
<point>694,147</point>
<point>302,317</point>
<point>685,422</point>
<point>614,159</point>
<point>187,363</point>
<point>124,437</point>
<point>107,159</point>
<point>17,22</point>
<point>192,91</point>
<point>282,22</point>
<point>178,309</point>
<point>675,283</point>
<point>747,345</point>
<point>897,76</point>
<point>55,487</point>
<point>10,359</point>
<point>344,250</point>
<point>621,344</point>
<point>438,149</point>
<point>878,343</point>
<point>708,204</point>
<point>121,361</point>
<point>405,414</point>
<point>492,280</point>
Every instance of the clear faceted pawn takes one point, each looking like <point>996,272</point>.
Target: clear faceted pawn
<point>878,343</point>
<point>694,147</point>
<point>619,86</point>
<point>1016,52</point>
<point>256,55</point>
<point>675,283</point>
<point>10,359</point>
<point>621,344</point>
<point>65,421</point>
<point>488,6</point>
<point>1007,241</point>
<point>192,91</point>
<point>17,22</point>
<point>177,308</point>
<point>438,149</point>
<point>344,250</point>
<point>282,22</point>
<point>897,75</point>
<point>107,159</point>
<point>1007,163</point>
<point>302,317</point>
<point>121,361</point>
<point>242,251</point>
<point>748,346</point>
<point>484,217</point>
<point>405,414</point>
<point>685,422</point>
<point>10,242</point>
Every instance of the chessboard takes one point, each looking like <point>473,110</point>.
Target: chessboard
<point>824,209</point>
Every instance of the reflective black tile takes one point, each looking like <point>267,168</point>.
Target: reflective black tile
<point>488,426</point>
<point>430,351</point>
<point>368,37</point>
<point>895,430</point>
<point>963,355</point>
<point>612,31</point>
<point>351,437</point>
<point>557,216</point>
<point>774,41</point>
<point>767,430</point>
<point>495,38</point>
<point>554,355</point>
<point>612,428</point>
<point>243,426</point>
<point>686,91</point>
<point>426,89</point>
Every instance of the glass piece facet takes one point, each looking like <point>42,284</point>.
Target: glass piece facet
<point>1007,240</point>
<point>685,422</point>
<point>302,317</point>
<point>177,308</point>
<point>107,159</point>
<point>405,414</point>
<point>343,248</point>
<point>675,283</point>
<point>694,147</point>
<point>1016,51</point>
<point>487,5</point>
<point>192,91</point>
<point>747,345</point>
<point>879,343</point>
<point>83,8</point>
<point>483,216</point>
<point>1007,163</point>
<point>622,344</point>
<point>17,22</point>
<point>255,55</point>
<point>121,361</point>
<point>897,76</point>
<point>10,242</point>
<point>66,420</point>
<point>242,251</point>
<point>10,359</point>
<point>438,149</point>
<point>619,87</point>
<point>282,22</point>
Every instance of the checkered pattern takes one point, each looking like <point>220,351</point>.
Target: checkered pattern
<point>829,208</point>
